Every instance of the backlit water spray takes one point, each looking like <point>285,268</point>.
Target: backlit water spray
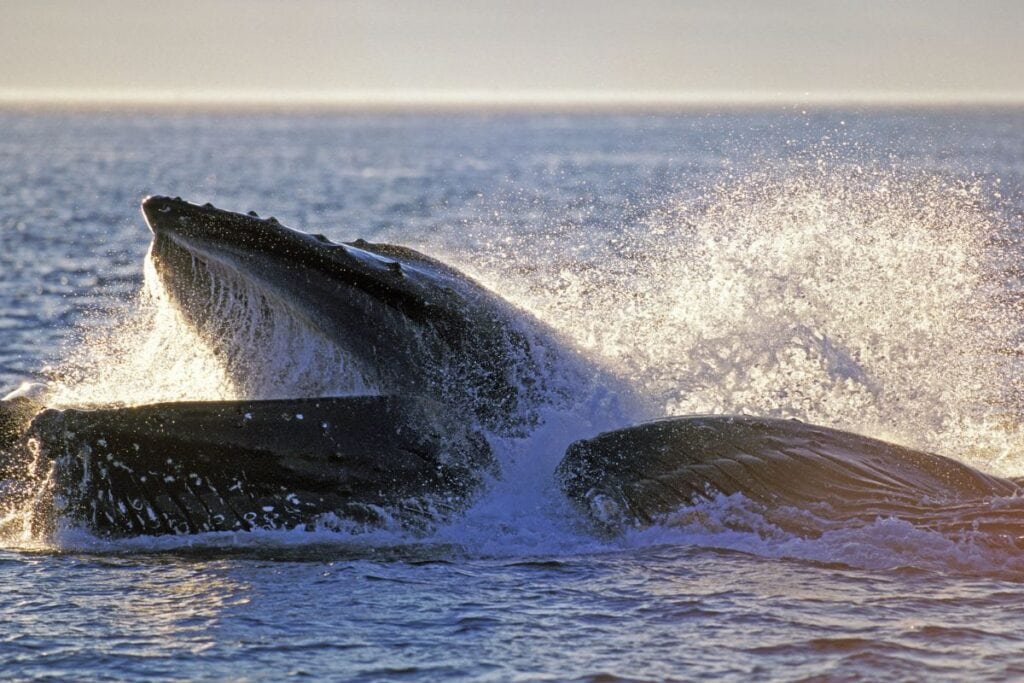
<point>252,348</point>
<point>866,299</point>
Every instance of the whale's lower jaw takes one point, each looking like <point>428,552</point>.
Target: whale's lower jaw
<point>187,468</point>
<point>372,461</point>
<point>795,477</point>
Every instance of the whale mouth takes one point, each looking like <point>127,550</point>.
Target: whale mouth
<point>395,320</point>
<point>177,216</point>
<point>192,467</point>
<point>388,273</point>
<point>315,425</point>
<point>244,304</point>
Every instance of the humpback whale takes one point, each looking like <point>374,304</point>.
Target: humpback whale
<point>444,366</point>
<point>407,323</point>
<point>444,362</point>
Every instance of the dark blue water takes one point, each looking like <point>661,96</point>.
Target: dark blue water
<point>851,268</point>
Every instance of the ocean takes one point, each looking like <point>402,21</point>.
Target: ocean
<point>853,268</point>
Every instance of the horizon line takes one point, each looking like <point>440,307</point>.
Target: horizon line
<point>70,98</point>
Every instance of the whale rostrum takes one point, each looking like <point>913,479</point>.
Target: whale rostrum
<point>406,323</point>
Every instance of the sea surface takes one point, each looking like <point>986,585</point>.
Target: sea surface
<point>858,269</point>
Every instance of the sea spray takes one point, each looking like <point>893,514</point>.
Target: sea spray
<point>251,347</point>
<point>865,298</point>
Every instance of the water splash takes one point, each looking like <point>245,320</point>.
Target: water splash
<point>254,347</point>
<point>868,299</point>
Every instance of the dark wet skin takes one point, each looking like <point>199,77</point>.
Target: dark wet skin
<point>238,465</point>
<point>417,325</point>
<point>642,474</point>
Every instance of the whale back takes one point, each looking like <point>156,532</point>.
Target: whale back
<point>638,475</point>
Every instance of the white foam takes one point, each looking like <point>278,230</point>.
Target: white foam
<point>733,523</point>
<point>870,299</point>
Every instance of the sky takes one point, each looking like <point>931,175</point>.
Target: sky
<point>406,51</point>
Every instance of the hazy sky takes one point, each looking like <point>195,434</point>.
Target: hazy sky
<point>401,49</point>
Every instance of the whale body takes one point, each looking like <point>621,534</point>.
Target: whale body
<point>406,323</point>
<point>803,478</point>
<point>190,467</point>
<point>439,361</point>
<point>444,365</point>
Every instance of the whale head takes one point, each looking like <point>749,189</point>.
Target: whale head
<point>402,321</point>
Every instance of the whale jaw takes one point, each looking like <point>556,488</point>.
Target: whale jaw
<point>405,323</point>
<point>192,467</point>
<point>801,478</point>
